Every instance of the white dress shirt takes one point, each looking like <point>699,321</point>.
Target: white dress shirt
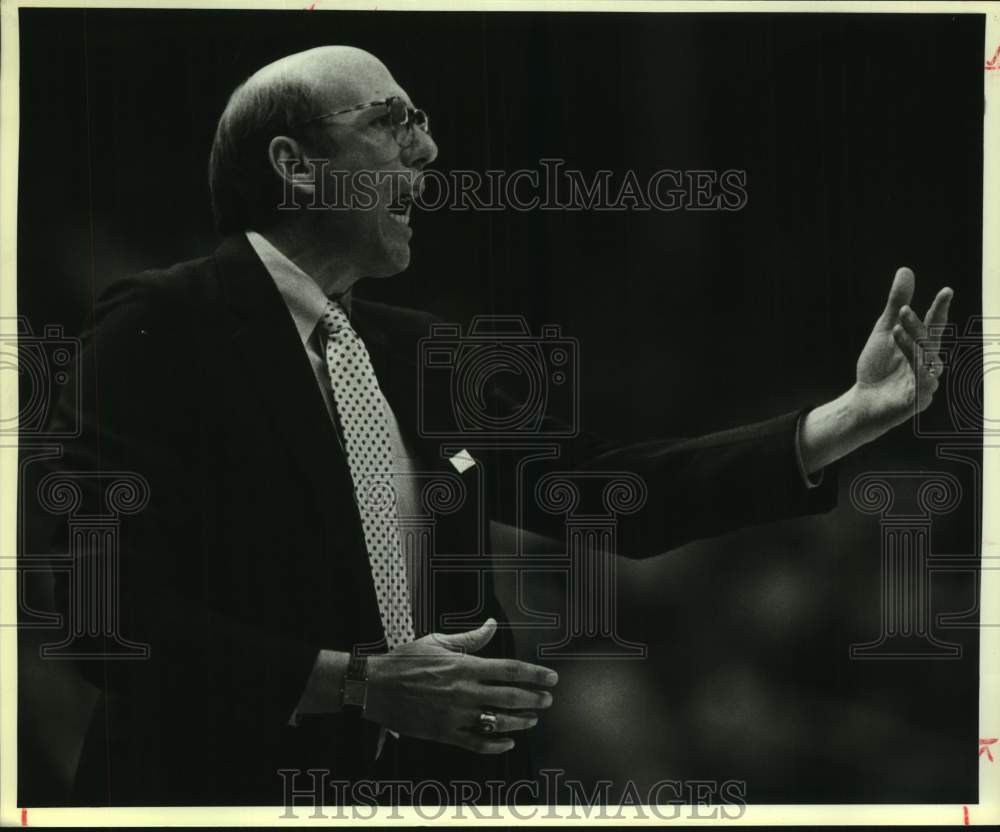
<point>306,303</point>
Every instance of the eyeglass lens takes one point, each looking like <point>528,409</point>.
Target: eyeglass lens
<point>404,120</point>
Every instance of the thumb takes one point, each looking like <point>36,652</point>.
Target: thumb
<point>470,641</point>
<point>900,294</point>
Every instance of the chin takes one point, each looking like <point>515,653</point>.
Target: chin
<point>394,263</point>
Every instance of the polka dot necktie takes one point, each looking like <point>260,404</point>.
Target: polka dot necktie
<point>365,425</point>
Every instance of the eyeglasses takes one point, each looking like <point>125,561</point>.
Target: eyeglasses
<point>402,118</point>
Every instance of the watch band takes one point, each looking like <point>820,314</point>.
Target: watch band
<point>355,690</point>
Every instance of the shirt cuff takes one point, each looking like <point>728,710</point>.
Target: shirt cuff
<point>810,481</point>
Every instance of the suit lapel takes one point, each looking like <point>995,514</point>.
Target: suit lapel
<point>278,374</point>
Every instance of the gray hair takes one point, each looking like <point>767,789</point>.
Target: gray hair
<point>244,187</point>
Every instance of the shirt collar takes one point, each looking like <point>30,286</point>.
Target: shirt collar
<point>302,295</point>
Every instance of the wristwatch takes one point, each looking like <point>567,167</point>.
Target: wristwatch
<point>355,690</point>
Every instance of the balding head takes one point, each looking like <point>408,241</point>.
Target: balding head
<point>271,102</point>
<point>338,76</point>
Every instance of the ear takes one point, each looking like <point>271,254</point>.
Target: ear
<point>298,174</point>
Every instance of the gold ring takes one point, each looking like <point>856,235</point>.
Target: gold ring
<point>487,722</point>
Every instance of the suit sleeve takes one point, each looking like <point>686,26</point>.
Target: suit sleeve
<point>690,488</point>
<point>139,416</point>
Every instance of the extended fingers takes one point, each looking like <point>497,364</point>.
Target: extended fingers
<point>513,672</point>
<point>506,684</point>
<point>937,315</point>
<point>512,722</point>
<point>929,366</point>
<point>900,293</point>
<point>510,698</point>
<point>904,342</point>
<point>922,344</point>
<point>482,743</point>
<point>914,327</point>
<point>511,690</point>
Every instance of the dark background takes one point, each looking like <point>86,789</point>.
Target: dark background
<point>861,136</point>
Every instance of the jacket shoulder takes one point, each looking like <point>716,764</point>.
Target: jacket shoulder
<point>191,279</point>
<point>176,295</point>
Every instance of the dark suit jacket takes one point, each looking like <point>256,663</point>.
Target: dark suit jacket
<point>250,557</point>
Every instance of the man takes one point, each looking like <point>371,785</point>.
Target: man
<point>263,407</point>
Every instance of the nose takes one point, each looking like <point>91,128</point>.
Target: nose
<point>421,152</point>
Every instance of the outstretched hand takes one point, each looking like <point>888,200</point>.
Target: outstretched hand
<point>900,367</point>
<point>898,374</point>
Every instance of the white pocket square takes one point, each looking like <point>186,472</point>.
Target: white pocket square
<point>462,461</point>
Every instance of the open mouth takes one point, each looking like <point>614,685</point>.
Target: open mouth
<point>400,209</point>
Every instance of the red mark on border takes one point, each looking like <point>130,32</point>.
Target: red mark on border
<point>984,747</point>
<point>994,62</point>
<point>24,817</point>
<point>311,6</point>
<point>965,814</point>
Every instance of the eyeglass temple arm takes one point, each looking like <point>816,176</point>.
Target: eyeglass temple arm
<point>342,112</point>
